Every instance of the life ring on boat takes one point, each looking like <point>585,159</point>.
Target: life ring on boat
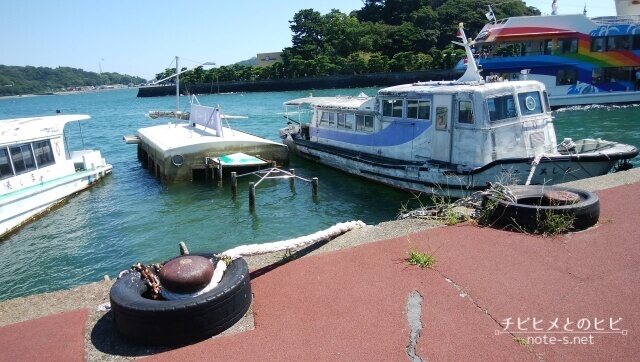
<point>536,203</point>
<point>58,148</point>
<point>530,103</point>
<point>146,321</point>
<point>483,35</point>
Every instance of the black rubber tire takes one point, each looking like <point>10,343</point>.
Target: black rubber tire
<point>529,208</point>
<point>178,322</point>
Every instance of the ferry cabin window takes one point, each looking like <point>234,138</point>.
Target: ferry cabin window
<point>548,47</point>
<point>566,77</point>
<point>636,42</point>
<point>418,109</point>
<point>502,107</point>
<point>530,103</point>
<point>598,43</point>
<point>22,158</point>
<point>612,75</point>
<point>392,108</point>
<point>328,120</point>
<point>5,164</point>
<point>567,45</point>
<point>619,42</point>
<point>465,112</point>
<point>345,120</point>
<point>364,123</point>
<point>43,152</point>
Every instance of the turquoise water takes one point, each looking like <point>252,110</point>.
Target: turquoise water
<point>131,217</point>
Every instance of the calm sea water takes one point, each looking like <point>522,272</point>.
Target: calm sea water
<point>132,217</point>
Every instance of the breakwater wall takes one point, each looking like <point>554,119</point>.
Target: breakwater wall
<point>279,85</point>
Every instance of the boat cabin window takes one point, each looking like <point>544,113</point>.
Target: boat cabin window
<point>566,77</point>
<point>345,120</point>
<point>43,152</point>
<point>465,112</point>
<point>392,108</point>
<point>502,107</point>
<point>567,45</point>
<point>22,158</point>
<point>364,123</point>
<point>547,104</point>
<point>5,164</point>
<point>530,103</point>
<point>328,120</point>
<point>418,109</point>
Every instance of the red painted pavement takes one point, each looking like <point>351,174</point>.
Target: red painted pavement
<point>58,337</point>
<point>580,291</point>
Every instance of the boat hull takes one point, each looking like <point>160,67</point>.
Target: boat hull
<point>453,181</point>
<point>24,205</point>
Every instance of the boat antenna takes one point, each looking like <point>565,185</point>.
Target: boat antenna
<point>81,136</point>
<point>472,74</point>
<point>177,88</point>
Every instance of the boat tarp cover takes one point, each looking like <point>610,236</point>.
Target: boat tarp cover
<point>240,159</point>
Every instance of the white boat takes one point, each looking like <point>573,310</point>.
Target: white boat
<point>37,171</point>
<point>581,60</point>
<point>449,138</point>
<point>195,142</point>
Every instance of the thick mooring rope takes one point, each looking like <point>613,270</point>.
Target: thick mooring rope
<point>228,256</point>
<point>534,164</point>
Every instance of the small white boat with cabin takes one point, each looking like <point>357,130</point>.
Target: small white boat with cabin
<point>196,142</point>
<point>448,138</point>
<point>37,171</point>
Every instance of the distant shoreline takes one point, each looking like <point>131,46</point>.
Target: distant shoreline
<point>62,93</point>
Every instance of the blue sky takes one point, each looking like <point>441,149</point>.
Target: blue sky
<point>142,37</point>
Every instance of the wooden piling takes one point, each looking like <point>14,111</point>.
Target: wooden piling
<point>252,196</point>
<point>314,186</point>
<point>234,185</point>
<point>293,173</point>
<point>219,173</point>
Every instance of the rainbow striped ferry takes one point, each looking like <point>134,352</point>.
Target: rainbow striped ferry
<point>580,60</point>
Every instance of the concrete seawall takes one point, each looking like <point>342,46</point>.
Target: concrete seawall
<point>294,84</point>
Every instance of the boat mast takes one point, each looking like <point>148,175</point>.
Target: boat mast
<point>472,74</point>
<point>177,88</point>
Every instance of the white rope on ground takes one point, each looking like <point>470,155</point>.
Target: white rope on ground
<point>259,249</point>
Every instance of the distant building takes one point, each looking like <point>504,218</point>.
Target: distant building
<point>265,59</point>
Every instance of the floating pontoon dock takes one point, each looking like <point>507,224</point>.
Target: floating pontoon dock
<point>184,152</point>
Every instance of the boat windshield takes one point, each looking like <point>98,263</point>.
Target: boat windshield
<point>501,107</point>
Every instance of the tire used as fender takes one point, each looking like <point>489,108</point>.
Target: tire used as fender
<point>177,322</point>
<point>530,209</point>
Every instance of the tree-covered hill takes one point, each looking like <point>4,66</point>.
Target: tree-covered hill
<point>383,36</point>
<point>15,80</point>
